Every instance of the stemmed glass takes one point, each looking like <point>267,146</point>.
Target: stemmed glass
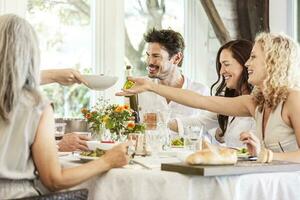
<point>193,138</point>
<point>163,119</point>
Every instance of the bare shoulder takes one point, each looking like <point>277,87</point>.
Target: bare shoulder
<point>293,98</point>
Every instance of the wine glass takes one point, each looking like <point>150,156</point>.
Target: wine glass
<point>193,138</point>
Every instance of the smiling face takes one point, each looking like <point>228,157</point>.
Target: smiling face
<point>256,66</point>
<point>231,69</point>
<point>160,65</point>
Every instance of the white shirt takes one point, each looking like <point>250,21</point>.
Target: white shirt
<point>152,102</point>
<point>210,122</point>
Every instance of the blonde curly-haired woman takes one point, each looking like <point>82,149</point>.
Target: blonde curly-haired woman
<point>274,103</point>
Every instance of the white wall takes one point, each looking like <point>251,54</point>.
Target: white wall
<point>283,16</point>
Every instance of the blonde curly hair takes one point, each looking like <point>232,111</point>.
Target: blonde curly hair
<point>282,59</point>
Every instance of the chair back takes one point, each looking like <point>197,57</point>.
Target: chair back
<point>81,194</point>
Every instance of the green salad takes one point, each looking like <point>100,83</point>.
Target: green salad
<point>95,153</point>
<point>178,142</point>
<point>243,151</point>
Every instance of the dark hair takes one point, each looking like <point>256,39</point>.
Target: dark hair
<point>171,40</point>
<point>240,50</point>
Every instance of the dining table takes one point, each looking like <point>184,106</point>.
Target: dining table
<point>143,179</point>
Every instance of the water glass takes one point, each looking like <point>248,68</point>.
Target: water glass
<point>193,138</point>
<point>138,142</point>
<point>59,130</point>
<point>154,141</point>
<point>150,120</point>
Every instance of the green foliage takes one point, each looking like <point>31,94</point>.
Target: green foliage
<point>67,100</point>
<point>70,12</point>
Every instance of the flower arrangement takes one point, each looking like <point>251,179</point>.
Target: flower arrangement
<point>119,119</point>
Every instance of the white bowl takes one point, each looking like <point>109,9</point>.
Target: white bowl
<point>100,82</point>
<point>92,145</point>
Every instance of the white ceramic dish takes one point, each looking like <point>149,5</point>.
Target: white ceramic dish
<point>87,158</point>
<point>92,145</point>
<point>99,82</point>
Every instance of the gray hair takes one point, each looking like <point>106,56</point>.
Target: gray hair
<point>19,63</point>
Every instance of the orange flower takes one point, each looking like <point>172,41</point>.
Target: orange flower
<point>130,125</point>
<point>84,110</point>
<point>126,107</point>
<point>88,115</point>
<point>119,109</point>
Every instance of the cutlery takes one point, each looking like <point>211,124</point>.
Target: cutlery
<point>139,163</point>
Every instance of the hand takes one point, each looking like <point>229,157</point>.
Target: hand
<point>141,85</point>
<point>219,135</point>
<point>62,76</point>
<point>117,156</point>
<point>73,142</point>
<point>252,142</point>
<point>173,125</point>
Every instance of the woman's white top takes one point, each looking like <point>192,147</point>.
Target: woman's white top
<point>279,137</point>
<point>16,138</point>
<point>210,122</point>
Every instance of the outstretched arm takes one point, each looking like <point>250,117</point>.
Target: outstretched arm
<point>237,106</point>
<point>61,76</point>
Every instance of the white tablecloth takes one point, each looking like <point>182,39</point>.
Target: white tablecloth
<point>135,183</point>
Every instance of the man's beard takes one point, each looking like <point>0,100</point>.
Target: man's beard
<point>157,75</point>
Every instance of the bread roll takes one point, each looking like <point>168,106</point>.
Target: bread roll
<point>213,155</point>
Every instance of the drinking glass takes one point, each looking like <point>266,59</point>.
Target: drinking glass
<point>137,141</point>
<point>150,120</point>
<point>163,119</point>
<point>154,142</point>
<point>193,138</point>
<point>59,130</point>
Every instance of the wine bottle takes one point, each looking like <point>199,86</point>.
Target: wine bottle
<point>133,100</point>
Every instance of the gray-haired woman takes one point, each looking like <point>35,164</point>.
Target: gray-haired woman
<point>26,121</point>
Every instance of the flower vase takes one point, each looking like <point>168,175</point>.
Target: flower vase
<point>99,134</point>
<point>118,137</point>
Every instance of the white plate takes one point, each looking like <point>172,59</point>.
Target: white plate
<point>93,145</point>
<point>99,82</point>
<point>87,158</point>
<point>64,153</point>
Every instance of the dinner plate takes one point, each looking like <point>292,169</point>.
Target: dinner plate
<point>246,158</point>
<point>174,146</point>
<point>87,158</point>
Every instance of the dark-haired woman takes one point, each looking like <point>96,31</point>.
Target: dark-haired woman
<point>231,82</point>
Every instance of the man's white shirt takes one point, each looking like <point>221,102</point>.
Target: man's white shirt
<point>152,102</point>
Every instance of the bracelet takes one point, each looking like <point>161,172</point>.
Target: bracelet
<point>270,156</point>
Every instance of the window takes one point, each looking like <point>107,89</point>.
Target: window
<point>64,33</point>
<point>298,21</point>
<point>142,15</point>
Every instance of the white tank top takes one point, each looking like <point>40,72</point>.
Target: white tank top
<point>279,137</point>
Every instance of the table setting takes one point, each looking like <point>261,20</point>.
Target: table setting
<point>164,166</point>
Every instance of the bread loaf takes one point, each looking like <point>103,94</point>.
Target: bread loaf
<point>213,155</point>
